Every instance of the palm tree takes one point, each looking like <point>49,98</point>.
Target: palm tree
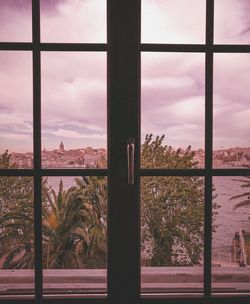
<point>17,236</point>
<point>74,224</point>
<point>73,231</point>
<point>245,196</point>
<point>16,219</point>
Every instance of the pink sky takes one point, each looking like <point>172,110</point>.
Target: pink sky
<point>173,85</point>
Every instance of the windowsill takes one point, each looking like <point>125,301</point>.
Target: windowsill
<point>154,280</point>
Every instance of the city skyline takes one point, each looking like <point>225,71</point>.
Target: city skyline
<point>74,88</point>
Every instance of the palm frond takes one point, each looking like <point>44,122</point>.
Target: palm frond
<point>244,203</point>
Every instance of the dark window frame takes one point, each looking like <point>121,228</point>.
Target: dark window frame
<point>124,42</point>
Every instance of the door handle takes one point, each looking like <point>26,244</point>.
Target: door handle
<point>131,160</point>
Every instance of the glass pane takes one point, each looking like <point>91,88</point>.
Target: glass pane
<point>15,20</point>
<point>231,236</point>
<point>74,110</point>
<point>16,235</point>
<point>173,105</point>
<point>73,21</point>
<point>173,21</point>
<point>172,225</point>
<point>74,234</point>
<point>231,110</point>
<point>231,21</point>
<point>16,110</point>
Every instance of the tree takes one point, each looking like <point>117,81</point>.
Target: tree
<point>172,207</point>
<point>74,222</point>
<point>245,196</point>
<point>73,225</point>
<point>16,218</point>
<point>74,219</point>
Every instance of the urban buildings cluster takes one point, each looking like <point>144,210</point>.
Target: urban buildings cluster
<point>61,158</point>
<point>232,157</point>
<point>97,158</point>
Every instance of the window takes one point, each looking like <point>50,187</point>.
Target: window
<point>93,204</point>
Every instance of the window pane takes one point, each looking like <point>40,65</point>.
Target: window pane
<point>15,20</point>
<point>231,236</point>
<point>172,225</point>
<point>73,21</point>
<point>173,105</point>
<point>74,110</point>
<point>231,110</point>
<point>231,21</point>
<point>16,235</point>
<point>74,234</point>
<point>16,117</point>
<point>173,21</point>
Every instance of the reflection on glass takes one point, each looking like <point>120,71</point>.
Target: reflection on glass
<point>16,113</point>
<point>74,234</point>
<point>172,225</point>
<point>231,236</point>
<point>74,110</point>
<point>168,21</point>
<point>15,20</point>
<point>16,235</point>
<point>73,21</point>
<point>173,105</point>
<point>231,110</point>
<point>231,21</point>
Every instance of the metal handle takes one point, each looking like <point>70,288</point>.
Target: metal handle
<point>131,159</point>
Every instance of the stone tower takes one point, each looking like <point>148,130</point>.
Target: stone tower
<point>61,146</point>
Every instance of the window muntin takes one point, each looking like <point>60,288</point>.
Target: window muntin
<point>212,131</point>
<point>208,172</point>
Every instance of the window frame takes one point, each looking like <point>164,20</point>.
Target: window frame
<point>124,42</point>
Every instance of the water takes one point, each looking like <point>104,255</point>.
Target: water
<point>228,221</point>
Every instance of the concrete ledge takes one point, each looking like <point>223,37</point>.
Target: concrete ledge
<point>154,279</point>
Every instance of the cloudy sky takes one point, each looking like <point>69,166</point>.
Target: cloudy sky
<point>173,85</point>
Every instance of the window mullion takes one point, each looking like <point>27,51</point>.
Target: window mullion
<point>37,148</point>
<point>208,147</point>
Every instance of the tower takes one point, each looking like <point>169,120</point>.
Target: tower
<point>61,146</point>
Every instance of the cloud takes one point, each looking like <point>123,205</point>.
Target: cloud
<point>232,21</point>
<point>74,21</point>
<point>14,136</point>
<point>74,96</point>
<point>168,21</point>
<point>173,97</point>
<point>74,93</point>
<point>15,20</point>
<point>74,134</point>
<point>231,100</point>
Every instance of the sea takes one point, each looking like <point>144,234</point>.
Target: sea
<point>227,221</point>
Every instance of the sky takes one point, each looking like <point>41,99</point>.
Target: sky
<point>74,94</point>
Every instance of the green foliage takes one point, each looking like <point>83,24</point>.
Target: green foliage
<point>74,219</point>
<point>172,208</point>
<point>156,155</point>
<point>16,219</point>
<point>74,222</point>
<point>74,225</point>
